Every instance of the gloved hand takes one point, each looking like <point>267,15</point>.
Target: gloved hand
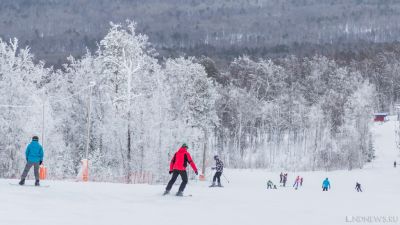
<point>213,168</point>
<point>41,162</point>
<point>197,173</point>
<point>170,172</point>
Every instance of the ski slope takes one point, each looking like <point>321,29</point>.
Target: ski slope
<point>245,200</point>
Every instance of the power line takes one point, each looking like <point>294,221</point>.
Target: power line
<point>17,106</point>
<point>63,99</point>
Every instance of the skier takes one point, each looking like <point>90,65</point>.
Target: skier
<point>34,157</point>
<point>284,179</point>
<point>395,164</point>
<point>219,167</point>
<point>326,185</point>
<point>301,181</point>
<point>281,178</point>
<point>358,187</point>
<point>270,185</point>
<point>178,167</point>
<point>296,183</point>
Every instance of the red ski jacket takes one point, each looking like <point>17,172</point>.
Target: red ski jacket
<point>180,160</point>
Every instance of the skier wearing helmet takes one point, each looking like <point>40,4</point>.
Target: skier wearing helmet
<point>219,167</point>
<point>178,167</point>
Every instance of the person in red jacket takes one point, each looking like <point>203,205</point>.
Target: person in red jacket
<point>178,167</point>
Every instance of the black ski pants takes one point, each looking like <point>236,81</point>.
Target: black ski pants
<point>175,175</point>
<point>217,177</point>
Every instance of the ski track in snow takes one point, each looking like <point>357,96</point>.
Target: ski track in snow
<point>245,200</point>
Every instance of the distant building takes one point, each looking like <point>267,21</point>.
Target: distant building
<point>380,117</point>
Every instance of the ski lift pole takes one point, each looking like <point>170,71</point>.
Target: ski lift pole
<point>85,162</point>
<point>43,128</point>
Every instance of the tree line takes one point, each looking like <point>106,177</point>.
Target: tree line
<point>291,112</point>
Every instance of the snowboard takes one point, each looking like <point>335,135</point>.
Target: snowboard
<point>30,185</point>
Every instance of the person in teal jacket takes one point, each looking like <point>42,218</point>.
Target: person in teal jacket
<point>326,185</point>
<point>34,157</point>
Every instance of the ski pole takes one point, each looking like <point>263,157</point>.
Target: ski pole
<point>225,178</point>
<point>210,173</point>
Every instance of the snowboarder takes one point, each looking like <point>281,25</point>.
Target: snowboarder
<point>219,167</point>
<point>296,183</point>
<point>284,179</point>
<point>34,157</point>
<point>358,187</point>
<point>395,164</point>
<point>270,185</point>
<point>281,178</point>
<point>326,185</point>
<point>301,181</point>
<point>178,167</point>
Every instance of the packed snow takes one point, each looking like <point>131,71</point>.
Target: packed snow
<point>244,200</point>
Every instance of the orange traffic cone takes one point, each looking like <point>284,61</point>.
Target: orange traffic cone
<point>202,177</point>
<point>85,170</point>
<point>42,172</point>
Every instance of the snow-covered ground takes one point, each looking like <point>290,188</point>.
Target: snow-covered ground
<point>245,200</point>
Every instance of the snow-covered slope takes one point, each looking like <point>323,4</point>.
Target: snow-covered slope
<point>385,143</point>
<point>245,200</point>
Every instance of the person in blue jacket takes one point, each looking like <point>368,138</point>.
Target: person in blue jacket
<point>326,185</point>
<point>34,157</point>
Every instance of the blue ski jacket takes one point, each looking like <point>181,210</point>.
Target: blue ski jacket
<point>326,183</point>
<point>34,152</point>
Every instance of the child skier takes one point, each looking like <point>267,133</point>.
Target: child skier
<point>358,187</point>
<point>281,178</point>
<point>394,164</point>
<point>270,185</point>
<point>326,185</point>
<point>219,167</point>
<point>296,183</point>
<point>34,157</point>
<point>301,181</point>
<point>178,167</point>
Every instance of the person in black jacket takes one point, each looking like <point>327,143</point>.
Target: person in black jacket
<point>219,167</point>
<point>358,187</point>
<point>284,179</point>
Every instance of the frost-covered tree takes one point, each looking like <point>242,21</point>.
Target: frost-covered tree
<point>24,111</point>
<point>292,113</point>
<point>193,96</point>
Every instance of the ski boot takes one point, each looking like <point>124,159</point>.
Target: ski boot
<point>166,192</point>
<point>37,183</point>
<point>22,182</point>
<point>213,184</point>
<point>179,193</point>
<point>220,185</point>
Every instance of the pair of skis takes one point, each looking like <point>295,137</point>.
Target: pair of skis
<point>216,186</point>
<point>179,195</point>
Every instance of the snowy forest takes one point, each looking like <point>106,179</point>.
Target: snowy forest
<point>54,29</point>
<point>294,113</point>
